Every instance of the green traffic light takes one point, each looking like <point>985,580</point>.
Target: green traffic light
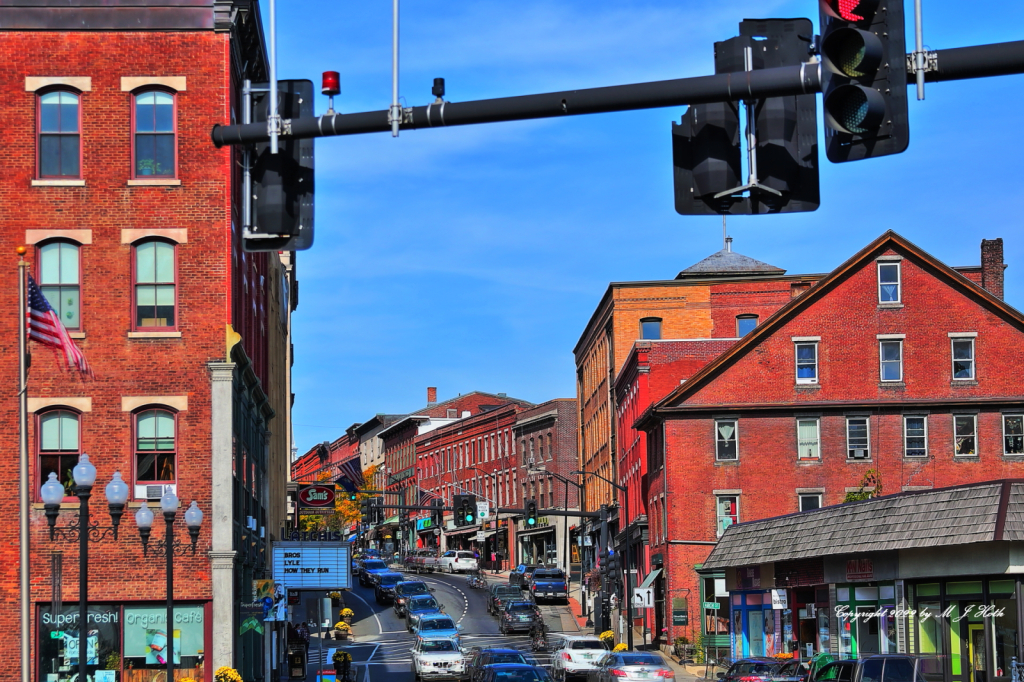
<point>469,518</point>
<point>531,521</point>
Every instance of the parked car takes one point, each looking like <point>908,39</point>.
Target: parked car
<point>629,666</point>
<point>406,589</point>
<point>438,625</point>
<point>457,561</point>
<point>515,672</point>
<point>794,671</point>
<point>384,585</point>
<point>420,605</point>
<point>437,658</point>
<point>576,656</point>
<point>521,576</point>
<point>369,567</point>
<point>548,583</point>
<point>482,658</point>
<point>499,594</point>
<point>750,669</point>
<point>518,616</point>
<point>880,668</point>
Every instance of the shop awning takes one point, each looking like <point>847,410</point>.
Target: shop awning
<point>651,577</point>
<point>462,532</point>
<point>535,531</point>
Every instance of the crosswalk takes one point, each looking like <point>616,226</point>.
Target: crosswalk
<point>396,650</point>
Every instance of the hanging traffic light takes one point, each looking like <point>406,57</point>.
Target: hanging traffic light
<point>365,511</point>
<point>353,497</point>
<point>864,89</point>
<point>531,513</point>
<point>436,515</point>
<point>469,510</point>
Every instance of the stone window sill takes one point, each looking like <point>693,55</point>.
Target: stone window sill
<point>809,460</point>
<point>963,382</point>
<point>807,387</point>
<point>58,183</point>
<point>891,384</point>
<point>154,335</point>
<point>966,458</point>
<point>77,335</point>
<point>71,506</point>
<point>154,182</point>
<point>852,460</point>
<point>887,306</point>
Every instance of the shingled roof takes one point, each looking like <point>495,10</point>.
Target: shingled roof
<point>945,517</point>
<point>728,263</point>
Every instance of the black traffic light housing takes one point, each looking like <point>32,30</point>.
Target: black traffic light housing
<point>283,183</point>
<point>706,149</point>
<point>437,515</point>
<point>365,509</point>
<point>465,510</point>
<point>531,514</point>
<point>864,79</point>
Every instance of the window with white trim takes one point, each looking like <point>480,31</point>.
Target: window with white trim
<point>60,280</point>
<point>808,439</point>
<point>963,359</point>
<point>889,282</point>
<point>890,354</point>
<point>809,501</point>
<point>728,511</point>
<point>806,362</point>
<point>1013,434</point>
<point>725,439</point>
<point>857,441</point>
<point>965,435</point>
<point>915,435</point>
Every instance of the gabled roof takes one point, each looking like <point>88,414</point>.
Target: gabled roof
<point>945,517</point>
<point>886,241</point>
<point>727,262</point>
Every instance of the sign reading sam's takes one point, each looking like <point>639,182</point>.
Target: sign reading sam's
<point>316,499</point>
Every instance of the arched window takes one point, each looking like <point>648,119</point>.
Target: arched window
<point>745,324</point>
<point>155,291</point>
<point>60,142</point>
<point>650,328</point>
<point>59,280</point>
<point>154,140</point>
<point>155,447</point>
<point>59,447</point>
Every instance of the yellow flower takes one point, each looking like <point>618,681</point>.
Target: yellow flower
<point>620,647</point>
<point>343,626</point>
<point>607,634</point>
<point>347,613</point>
<point>226,674</point>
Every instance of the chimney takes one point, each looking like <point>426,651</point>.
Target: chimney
<point>992,266</point>
<point>431,395</point>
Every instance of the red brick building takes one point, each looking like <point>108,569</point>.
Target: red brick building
<point>894,372</point>
<point>132,221</point>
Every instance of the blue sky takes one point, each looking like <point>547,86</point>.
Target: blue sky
<point>471,258</point>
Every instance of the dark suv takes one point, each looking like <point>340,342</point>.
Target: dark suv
<point>384,585</point>
<point>879,668</point>
<point>500,594</point>
<point>518,616</point>
<point>406,589</point>
<point>493,656</point>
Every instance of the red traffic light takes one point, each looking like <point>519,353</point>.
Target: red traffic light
<point>331,83</point>
<point>850,10</point>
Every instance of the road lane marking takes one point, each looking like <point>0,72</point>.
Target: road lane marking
<point>380,628</point>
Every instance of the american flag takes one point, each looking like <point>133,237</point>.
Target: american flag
<point>45,327</point>
<point>351,476</point>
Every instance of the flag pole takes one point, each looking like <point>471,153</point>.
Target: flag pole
<point>23,498</point>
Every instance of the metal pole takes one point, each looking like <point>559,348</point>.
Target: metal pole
<point>273,119</point>
<point>602,625</point>
<point>565,537</point>
<point>169,539</point>
<point>919,56</point>
<point>246,168</point>
<point>320,630</point>
<point>395,113</point>
<point>23,497</point>
<point>83,493</point>
<point>627,596</point>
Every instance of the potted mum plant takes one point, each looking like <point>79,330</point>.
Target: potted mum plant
<point>342,630</point>
<point>335,598</point>
<point>347,614</point>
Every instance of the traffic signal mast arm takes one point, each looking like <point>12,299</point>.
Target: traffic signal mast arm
<point>944,65</point>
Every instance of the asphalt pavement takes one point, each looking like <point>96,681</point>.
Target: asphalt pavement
<point>381,644</point>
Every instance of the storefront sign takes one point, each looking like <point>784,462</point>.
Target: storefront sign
<point>780,599</point>
<point>860,569</point>
<point>311,566</point>
<point>311,536</point>
<point>58,636</point>
<point>146,634</point>
<point>316,499</point>
<point>680,613</point>
<point>424,524</point>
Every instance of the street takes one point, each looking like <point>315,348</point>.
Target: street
<point>381,643</point>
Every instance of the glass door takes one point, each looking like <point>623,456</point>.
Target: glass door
<point>867,630</point>
<point>755,630</point>
<point>978,657</point>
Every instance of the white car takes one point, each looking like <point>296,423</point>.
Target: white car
<point>437,659</point>
<point>457,561</point>
<point>576,656</point>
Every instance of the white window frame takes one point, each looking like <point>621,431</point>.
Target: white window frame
<point>1004,416</point>
<point>974,417</point>
<point>867,429</point>
<point>817,429</point>
<point>881,376</point>
<point>800,500</point>
<point>735,439</point>
<point>719,530</point>
<point>796,362</point>
<point>953,340</point>
<point>906,446</point>
<point>899,281</point>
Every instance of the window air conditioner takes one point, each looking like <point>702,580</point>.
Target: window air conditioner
<point>154,492</point>
<point>859,454</point>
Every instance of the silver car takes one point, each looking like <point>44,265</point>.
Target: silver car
<point>627,666</point>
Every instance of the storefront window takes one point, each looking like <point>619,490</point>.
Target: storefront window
<point>146,638</point>
<point>58,643</point>
<point>1004,625</point>
<point>929,626</point>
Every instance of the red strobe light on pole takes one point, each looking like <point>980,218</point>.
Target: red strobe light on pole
<point>331,86</point>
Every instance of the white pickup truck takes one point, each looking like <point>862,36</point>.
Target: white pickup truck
<point>437,659</point>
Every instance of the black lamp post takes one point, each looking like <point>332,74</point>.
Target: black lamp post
<point>194,520</point>
<point>52,494</point>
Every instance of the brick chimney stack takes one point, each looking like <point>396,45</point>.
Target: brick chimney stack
<point>432,390</point>
<point>992,266</point>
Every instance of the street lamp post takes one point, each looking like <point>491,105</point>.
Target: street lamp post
<point>624,515</point>
<point>52,494</point>
<point>194,521</point>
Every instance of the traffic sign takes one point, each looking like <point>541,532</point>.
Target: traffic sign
<point>483,510</point>
<point>480,536</point>
<point>643,597</point>
<point>712,605</point>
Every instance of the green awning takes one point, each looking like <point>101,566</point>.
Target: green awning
<point>651,577</point>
